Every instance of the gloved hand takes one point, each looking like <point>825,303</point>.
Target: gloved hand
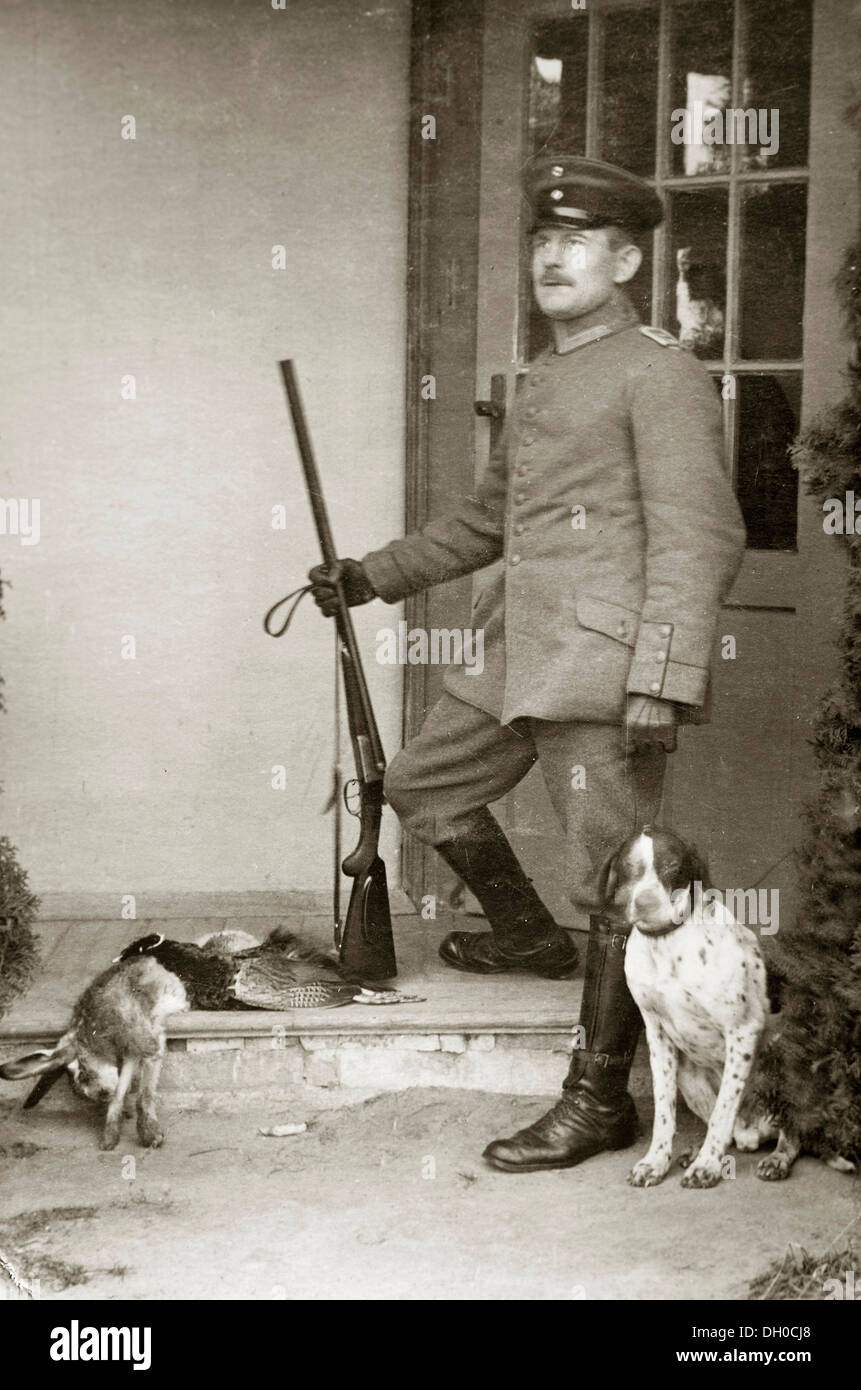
<point>355,583</point>
<point>649,721</point>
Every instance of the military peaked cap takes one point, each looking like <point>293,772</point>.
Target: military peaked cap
<point>570,191</point>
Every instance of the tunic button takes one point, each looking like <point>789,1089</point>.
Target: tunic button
<point>530,412</point>
<point>518,530</point>
<point>529,439</point>
<point>665,629</point>
<point>655,686</point>
<point>520,496</point>
<point>660,656</point>
<point>515,559</point>
<point>621,630</point>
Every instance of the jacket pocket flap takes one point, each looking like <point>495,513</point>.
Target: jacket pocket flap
<point>609,618</point>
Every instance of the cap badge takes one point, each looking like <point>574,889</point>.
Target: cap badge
<point>556,194</point>
<point>557,171</point>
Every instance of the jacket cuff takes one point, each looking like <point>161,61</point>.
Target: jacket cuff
<point>668,665</point>
<point>385,576</point>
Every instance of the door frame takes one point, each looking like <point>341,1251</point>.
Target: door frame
<point>454,42</point>
<point>447,55</point>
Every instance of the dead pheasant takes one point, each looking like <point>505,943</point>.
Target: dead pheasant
<point>282,972</point>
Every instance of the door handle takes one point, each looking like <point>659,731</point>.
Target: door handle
<point>494,409</point>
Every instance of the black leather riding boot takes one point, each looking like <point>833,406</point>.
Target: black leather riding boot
<point>523,934</point>
<point>595,1112</point>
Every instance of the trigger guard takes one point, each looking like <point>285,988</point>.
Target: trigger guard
<point>348,791</point>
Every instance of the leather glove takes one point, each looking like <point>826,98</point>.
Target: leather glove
<point>649,721</point>
<point>356,585</point>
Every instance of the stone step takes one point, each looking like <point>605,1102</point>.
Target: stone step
<point>245,1066</point>
<point>511,1033</point>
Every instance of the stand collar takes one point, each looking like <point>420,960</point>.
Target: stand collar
<point>611,317</point>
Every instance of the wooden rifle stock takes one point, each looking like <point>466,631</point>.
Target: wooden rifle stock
<point>366,946</point>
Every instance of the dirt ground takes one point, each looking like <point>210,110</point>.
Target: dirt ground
<point>389,1199</point>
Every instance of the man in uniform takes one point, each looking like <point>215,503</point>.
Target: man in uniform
<point>619,533</point>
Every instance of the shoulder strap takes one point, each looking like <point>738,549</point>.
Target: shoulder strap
<point>660,336</point>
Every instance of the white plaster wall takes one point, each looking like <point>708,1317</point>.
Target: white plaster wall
<point>255,127</point>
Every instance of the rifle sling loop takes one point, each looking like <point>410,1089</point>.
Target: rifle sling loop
<point>297,597</point>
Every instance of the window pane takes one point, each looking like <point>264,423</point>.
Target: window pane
<point>776,78</point>
<point>773,222</point>
<point>557,87</point>
<point>700,84</point>
<point>696,283</point>
<point>629,90</point>
<point>767,485</point>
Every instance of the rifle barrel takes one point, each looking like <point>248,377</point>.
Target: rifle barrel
<point>309,465</point>
<point>346,630</point>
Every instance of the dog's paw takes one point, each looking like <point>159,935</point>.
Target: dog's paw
<point>646,1174</point>
<point>773,1168</point>
<point>700,1174</point>
<point>110,1137</point>
<point>150,1136</point>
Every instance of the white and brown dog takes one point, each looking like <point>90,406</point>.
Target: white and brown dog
<point>699,980</point>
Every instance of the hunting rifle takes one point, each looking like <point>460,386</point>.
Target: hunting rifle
<point>365,944</point>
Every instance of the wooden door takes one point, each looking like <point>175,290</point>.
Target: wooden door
<point>739,272</point>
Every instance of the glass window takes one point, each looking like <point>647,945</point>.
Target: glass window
<point>557,87</point>
<point>629,90</point>
<point>768,413</point>
<point>775,78</point>
<point>696,286</point>
<point>700,84</point>
<point>773,228</point>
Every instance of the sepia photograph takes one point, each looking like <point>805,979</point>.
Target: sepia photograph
<point>430,663</point>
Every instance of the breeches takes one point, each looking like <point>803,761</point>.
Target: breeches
<point>463,759</point>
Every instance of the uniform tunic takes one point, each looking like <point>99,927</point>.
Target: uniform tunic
<point>618,531</point>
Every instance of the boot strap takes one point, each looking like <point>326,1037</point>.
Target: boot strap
<point>606,1059</point>
<point>607,928</point>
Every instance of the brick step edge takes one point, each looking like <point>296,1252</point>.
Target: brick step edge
<point>238,1071</point>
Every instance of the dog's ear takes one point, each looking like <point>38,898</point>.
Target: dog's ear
<point>693,869</point>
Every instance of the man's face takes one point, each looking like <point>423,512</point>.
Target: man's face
<point>574,272</point>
